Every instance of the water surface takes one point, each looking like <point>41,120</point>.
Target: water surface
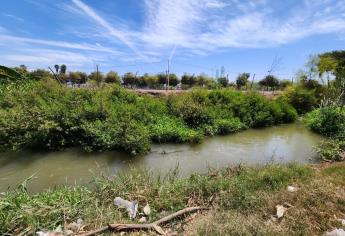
<point>285,143</point>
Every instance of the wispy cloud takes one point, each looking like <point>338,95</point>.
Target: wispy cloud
<point>81,46</point>
<point>107,26</point>
<point>193,25</point>
<point>13,17</point>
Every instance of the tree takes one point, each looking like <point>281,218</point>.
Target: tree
<point>112,77</point>
<point>242,80</point>
<point>129,79</point>
<point>57,67</point>
<point>74,77</point>
<point>173,80</point>
<point>223,81</point>
<point>150,81</point>
<point>63,69</point>
<point>188,79</point>
<point>96,76</point>
<point>203,80</point>
<point>270,81</point>
<point>284,84</point>
<point>41,74</point>
<point>22,69</point>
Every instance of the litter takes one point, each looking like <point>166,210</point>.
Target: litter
<point>336,232</point>
<point>131,207</point>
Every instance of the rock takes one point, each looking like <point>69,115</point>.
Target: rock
<point>336,232</point>
<point>292,189</point>
<point>49,233</point>
<point>147,210</point>
<point>75,226</point>
<point>280,211</point>
<point>68,232</point>
<point>142,220</point>
<point>131,207</point>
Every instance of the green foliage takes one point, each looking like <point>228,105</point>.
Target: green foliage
<point>331,150</point>
<point>8,75</point>
<point>270,81</point>
<point>223,81</point>
<point>242,80</point>
<point>188,80</point>
<point>238,188</point>
<point>301,99</point>
<point>170,129</point>
<point>96,76</point>
<point>129,79</point>
<point>173,80</point>
<point>41,74</point>
<point>44,115</point>
<point>328,121</point>
<point>112,77</point>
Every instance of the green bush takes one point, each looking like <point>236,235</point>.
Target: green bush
<point>301,99</point>
<point>331,150</point>
<point>327,121</point>
<point>167,129</point>
<point>44,115</point>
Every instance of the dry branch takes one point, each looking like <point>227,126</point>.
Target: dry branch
<point>152,226</point>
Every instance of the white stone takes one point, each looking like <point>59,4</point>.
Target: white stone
<point>147,210</point>
<point>280,211</point>
<point>291,189</point>
<point>142,220</point>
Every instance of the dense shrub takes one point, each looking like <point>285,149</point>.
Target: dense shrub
<point>327,121</point>
<point>301,99</point>
<point>42,114</point>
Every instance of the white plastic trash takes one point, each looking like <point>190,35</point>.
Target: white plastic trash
<point>131,207</point>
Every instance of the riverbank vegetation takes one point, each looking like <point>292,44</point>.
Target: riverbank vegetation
<point>329,118</point>
<point>241,201</point>
<point>44,115</point>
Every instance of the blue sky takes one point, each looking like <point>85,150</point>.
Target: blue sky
<point>197,35</point>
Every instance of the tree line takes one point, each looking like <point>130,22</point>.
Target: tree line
<point>157,81</point>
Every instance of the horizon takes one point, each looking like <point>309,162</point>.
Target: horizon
<point>199,36</point>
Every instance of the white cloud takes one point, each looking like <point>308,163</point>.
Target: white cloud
<point>120,35</point>
<point>13,17</point>
<point>195,25</point>
<point>62,44</point>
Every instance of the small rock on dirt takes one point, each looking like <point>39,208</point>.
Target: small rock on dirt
<point>280,211</point>
<point>142,220</point>
<point>147,210</point>
<point>292,189</point>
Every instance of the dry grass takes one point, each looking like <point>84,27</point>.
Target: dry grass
<point>317,206</point>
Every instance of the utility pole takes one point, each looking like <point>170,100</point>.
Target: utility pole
<point>251,85</point>
<point>168,75</point>
<point>97,73</point>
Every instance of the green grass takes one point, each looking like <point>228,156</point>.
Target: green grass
<point>233,188</point>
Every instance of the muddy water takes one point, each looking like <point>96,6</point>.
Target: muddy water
<point>285,143</point>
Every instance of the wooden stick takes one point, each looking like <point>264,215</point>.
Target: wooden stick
<point>152,226</point>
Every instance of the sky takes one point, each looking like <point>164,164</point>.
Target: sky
<point>196,36</point>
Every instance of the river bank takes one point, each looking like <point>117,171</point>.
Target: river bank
<point>242,201</point>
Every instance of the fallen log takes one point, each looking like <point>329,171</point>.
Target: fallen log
<point>152,226</point>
